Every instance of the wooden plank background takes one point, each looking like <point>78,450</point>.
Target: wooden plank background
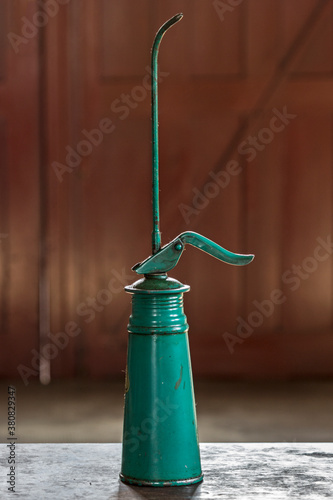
<point>76,206</point>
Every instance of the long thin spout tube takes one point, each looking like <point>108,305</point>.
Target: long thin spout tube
<point>156,234</point>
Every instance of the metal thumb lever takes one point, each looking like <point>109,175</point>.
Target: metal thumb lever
<point>168,256</point>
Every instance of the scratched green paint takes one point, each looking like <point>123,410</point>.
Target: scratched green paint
<point>160,442</point>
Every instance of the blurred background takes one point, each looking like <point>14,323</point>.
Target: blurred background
<point>246,101</point>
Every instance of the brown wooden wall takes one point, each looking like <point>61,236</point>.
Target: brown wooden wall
<point>246,98</point>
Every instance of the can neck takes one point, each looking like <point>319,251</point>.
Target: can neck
<point>157,283</point>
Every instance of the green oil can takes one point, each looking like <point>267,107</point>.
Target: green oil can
<point>160,438</point>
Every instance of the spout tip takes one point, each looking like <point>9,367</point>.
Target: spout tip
<point>175,18</point>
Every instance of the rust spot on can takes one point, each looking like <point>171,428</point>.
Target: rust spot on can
<point>127,382</point>
<point>180,378</point>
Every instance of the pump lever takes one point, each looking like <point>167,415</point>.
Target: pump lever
<point>168,256</point>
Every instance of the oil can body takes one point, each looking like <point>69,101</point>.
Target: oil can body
<point>160,441</point>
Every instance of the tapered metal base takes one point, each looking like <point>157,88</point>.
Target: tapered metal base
<point>160,440</point>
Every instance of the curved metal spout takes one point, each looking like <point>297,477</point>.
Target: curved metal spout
<point>156,234</point>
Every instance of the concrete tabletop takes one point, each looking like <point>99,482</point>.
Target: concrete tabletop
<point>232,471</point>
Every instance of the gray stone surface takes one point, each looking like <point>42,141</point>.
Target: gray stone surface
<point>251,471</point>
